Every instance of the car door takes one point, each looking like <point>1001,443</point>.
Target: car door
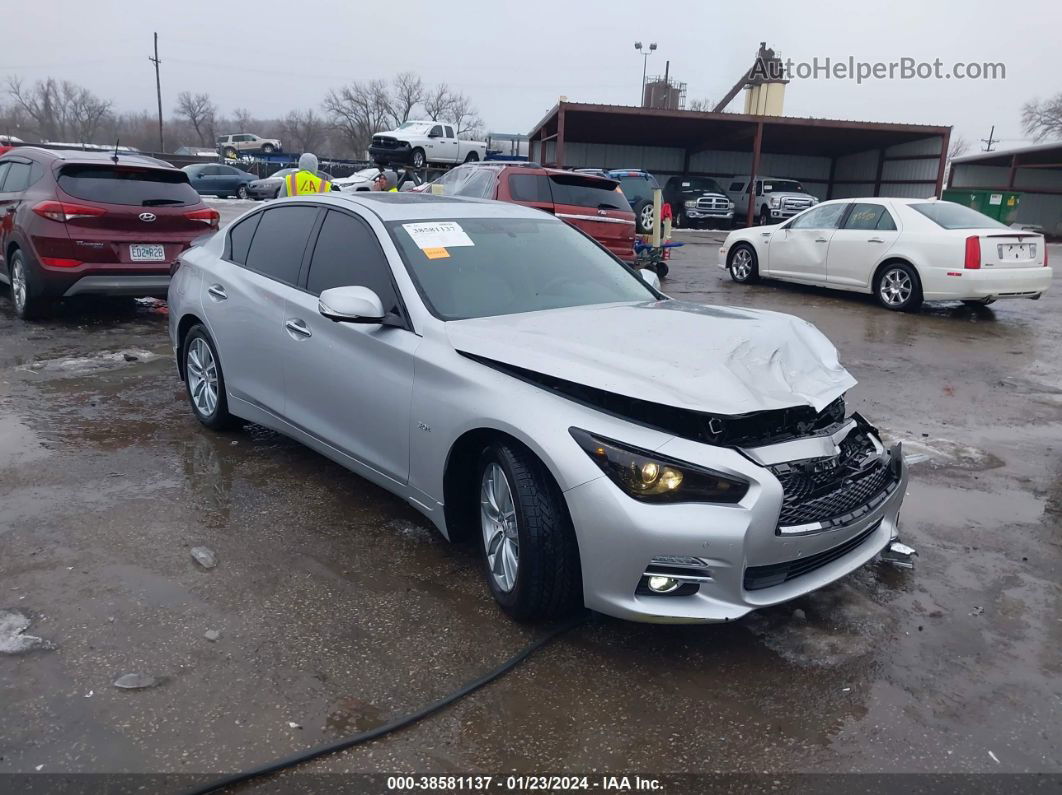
<point>798,250</point>
<point>350,385</point>
<point>867,233</point>
<point>245,297</point>
<point>453,148</point>
<point>7,217</point>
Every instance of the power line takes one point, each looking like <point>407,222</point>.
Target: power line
<point>991,139</point>
<point>158,89</point>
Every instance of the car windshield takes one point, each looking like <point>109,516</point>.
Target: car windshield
<point>414,126</point>
<point>700,185</point>
<point>954,216</point>
<point>636,188</point>
<point>482,267</point>
<point>144,187</point>
<point>782,186</point>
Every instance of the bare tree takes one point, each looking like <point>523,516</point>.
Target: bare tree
<point>407,91</point>
<point>243,120</point>
<point>1043,120</point>
<point>437,101</point>
<point>305,131</point>
<point>959,146</point>
<point>702,105</point>
<point>60,110</point>
<point>200,113</point>
<point>465,117</point>
<point>359,110</point>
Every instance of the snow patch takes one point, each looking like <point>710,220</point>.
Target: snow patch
<point>12,640</point>
<point>81,365</point>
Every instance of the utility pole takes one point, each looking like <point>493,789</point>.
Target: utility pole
<point>158,91</point>
<point>991,139</point>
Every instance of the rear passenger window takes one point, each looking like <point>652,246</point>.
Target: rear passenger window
<point>280,241</point>
<point>735,187</point>
<point>240,239</point>
<point>347,253</point>
<point>18,177</point>
<point>587,192</point>
<point>864,216</point>
<point>529,188</point>
<point>885,223</point>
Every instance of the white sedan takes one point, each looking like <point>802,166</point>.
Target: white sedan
<point>904,251</point>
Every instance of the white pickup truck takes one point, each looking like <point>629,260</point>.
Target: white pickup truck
<point>419,143</point>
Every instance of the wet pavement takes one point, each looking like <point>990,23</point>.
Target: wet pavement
<point>333,607</point>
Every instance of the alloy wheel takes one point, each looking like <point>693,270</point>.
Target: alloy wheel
<point>202,377</point>
<point>896,287</point>
<point>18,284</point>
<point>647,217</point>
<point>741,265</point>
<point>501,538</point>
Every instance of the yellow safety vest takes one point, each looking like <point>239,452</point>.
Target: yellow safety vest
<point>302,183</point>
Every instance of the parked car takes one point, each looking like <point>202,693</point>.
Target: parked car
<point>420,143</point>
<point>698,201</point>
<point>212,179</point>
<point>593,204</point>
<point>638,187</point>
<point>904,251</point>
<point>87,223</point>
<point>269,187</point>
<point>362,180</point>
<point>238,143</point>
<point>551,418</point>
<point>776,199</point>
<point>594,172</point>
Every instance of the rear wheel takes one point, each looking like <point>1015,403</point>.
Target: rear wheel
<point>230,151</point>
<point>268,149</point>
<point>898,288</point>
<point>25,289</point>
<point>472,157</point>
<point>644,215</point>
<point>530,556</point>
<point>204,380</point>
<point>743,264</point>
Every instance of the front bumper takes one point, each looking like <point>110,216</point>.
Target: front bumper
<point>390,154</point>
<point>972,285</point>
<point>739,544</point>
<point>718,215</point>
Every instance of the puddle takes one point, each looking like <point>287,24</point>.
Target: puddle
<point>18,444</point>
<point>413,532</point>
<point>352,715</point>
<point>98,362</point>
<point>945,453</point>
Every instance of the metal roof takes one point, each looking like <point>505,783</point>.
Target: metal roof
<point>1049,154</point>
<point>625,124</point>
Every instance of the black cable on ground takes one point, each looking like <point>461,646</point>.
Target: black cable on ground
<point>394,725</point>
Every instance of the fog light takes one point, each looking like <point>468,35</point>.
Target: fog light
<point>662,584</point>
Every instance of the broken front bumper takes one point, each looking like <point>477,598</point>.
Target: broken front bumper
<point>743,561</point>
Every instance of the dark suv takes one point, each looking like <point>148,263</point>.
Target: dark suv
<point>638,187</point>
<point>697,201</point>
<point>92,223</point>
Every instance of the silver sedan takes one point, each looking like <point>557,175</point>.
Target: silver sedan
<point>649,458</point>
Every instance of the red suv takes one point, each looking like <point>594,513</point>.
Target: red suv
<point>595,205</point>
<point>89,223</point>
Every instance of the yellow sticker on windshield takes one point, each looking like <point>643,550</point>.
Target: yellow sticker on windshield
<point>435,253</point>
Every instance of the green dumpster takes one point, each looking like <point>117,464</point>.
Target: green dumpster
<point>999,204</point>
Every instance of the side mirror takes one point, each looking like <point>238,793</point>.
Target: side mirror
<point>351,305</point>
<point>650,278</point>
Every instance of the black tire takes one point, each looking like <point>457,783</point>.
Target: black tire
<point>747,270</point>
<point>219,419</point>
<point>230,152</point>
<point>241,192</point>
<point>548,582</point>
<point>417,158</point>
<point>896,293</point>
<point>29,302</point>
<point>765,216</point>
<point>662,270</point>
<point>268,149</point>
<point>472,157</point>
<point>640,216</point>
<point>681,222</point>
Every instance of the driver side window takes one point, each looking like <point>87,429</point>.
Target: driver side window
<point>825,216</point>
<point>347,253</point>
<point>436,132</point>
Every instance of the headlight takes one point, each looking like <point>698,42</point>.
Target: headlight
<point>730,205</point>
<point>651,477</point>
<point>774,201</point>
<point>691,203</point>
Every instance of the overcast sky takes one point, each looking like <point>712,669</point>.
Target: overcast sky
<point>515,59</point>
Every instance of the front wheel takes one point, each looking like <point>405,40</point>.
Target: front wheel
<point>418,159</point>
<point>898,288</point>
<point>644,215</point>
<point>204,381</point>
<point>241,192</point>
<point>743,264</point>
<point>765,217</point>
<point>530,556</point>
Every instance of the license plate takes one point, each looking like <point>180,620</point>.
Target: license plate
<point>147,252</point>
<point>1017,251</point>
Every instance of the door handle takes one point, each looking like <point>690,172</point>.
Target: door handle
<point>875,240</point>
<point>217,292</point>
<point>296,326</point>
<point>822,240</point>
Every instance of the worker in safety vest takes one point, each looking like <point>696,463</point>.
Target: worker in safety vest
<point>382,182</point>
<point>305,181</point>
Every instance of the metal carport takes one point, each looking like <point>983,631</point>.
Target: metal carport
<point>833,158</point>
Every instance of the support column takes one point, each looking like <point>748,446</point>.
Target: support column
<point>560,136</point>
<point>686,163</point>
<point>1013,172</point>
<point>757,143</point>
<point>881,169</point>
<point>944,144</point>
<point>829,182</point>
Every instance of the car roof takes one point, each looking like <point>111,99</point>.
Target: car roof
<point>95,157</point>
<point>409,206</point>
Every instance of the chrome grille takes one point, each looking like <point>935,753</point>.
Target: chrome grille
<point>712,203</point>
<point>796,204</point>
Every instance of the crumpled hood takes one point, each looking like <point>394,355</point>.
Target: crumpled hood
<point>721,360</point>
